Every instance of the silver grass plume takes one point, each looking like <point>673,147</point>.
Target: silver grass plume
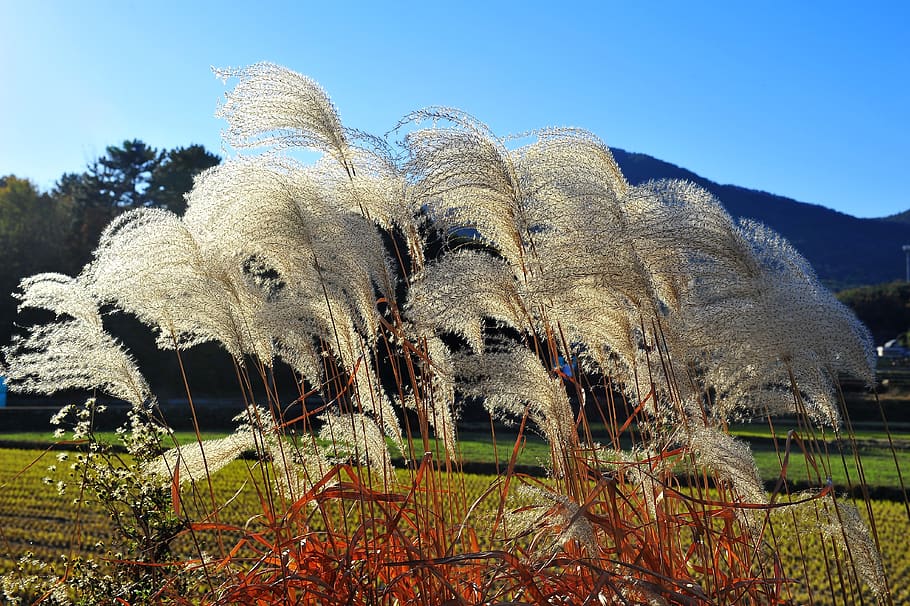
<point>378,190</point>
<point>459,291</point>
<point>587,282</point>
<point>467,179</point>
<point>74,352</point>
<point>562,518</point>
<point>685,238</point>
<point>581,240</point>
<point>583,275</point>
<point>552,209</point>
<point>61,295</point>
<point>577,154</point>
<point>304,223</point>
<point>751,310</point>
<point>336,332</point>
<point>777,325</point>
<point>838,338</point>
<point>851,534</point>
<point>304,340</point>
<point>276,108</point>
<point>357,436</point>
<point>729,458</point>
<point>272,106</point>
<point>839,522</point>
<point>297,224</point>
<point>321,262</point>
<point>197,460</point>
<point>151,264</point>
<point>683,235</point>
<point>514,381</point>
<point>295,469</point>
<point>297,466</point>
<point>242,267</point>
<point>300,468</point>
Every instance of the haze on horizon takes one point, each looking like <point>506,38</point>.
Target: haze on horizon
<point>779,97</point>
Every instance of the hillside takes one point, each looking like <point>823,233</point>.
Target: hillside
<point>845,251</point>
<point>903,217</point>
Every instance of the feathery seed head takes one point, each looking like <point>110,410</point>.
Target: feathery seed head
<point>60,294</point>
<point>731,459</point>
<point>847,529</point>
<point>514,381</point>
<point>773,329</point>
<point>71,354</point>
<point>458,292</point>
<point>357,436</point>
<point>198,460</point>
<point>840,522</point>
<point>272,106</point>
<point>563,518</point>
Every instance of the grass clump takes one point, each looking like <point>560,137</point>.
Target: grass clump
<point>403,282</point>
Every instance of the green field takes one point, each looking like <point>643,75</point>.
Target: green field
<point>876,457</point>
<point>34,517</point>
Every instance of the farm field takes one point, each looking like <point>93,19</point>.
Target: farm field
<point>877,459</point>
<point>35,518</point>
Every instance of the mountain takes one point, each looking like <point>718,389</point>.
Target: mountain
<point>903,217</point>
<point>845,251</point>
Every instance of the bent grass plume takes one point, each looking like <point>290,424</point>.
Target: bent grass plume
<point>404,282</point>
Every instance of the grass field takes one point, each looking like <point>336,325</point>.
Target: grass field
<point>877,459</point>
<point>35,518</point>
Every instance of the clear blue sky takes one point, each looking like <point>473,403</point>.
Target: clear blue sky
<point>804,99</point>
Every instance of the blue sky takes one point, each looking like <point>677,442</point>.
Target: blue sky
<point>807,100</point>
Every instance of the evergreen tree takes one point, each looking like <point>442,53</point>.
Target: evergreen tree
<point>130,176</point>
<point>173,177</point>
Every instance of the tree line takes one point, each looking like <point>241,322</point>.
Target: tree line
<point>883,308</point>
<point>57,230</point>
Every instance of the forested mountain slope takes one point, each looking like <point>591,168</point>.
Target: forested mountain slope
<point>844,250</point>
